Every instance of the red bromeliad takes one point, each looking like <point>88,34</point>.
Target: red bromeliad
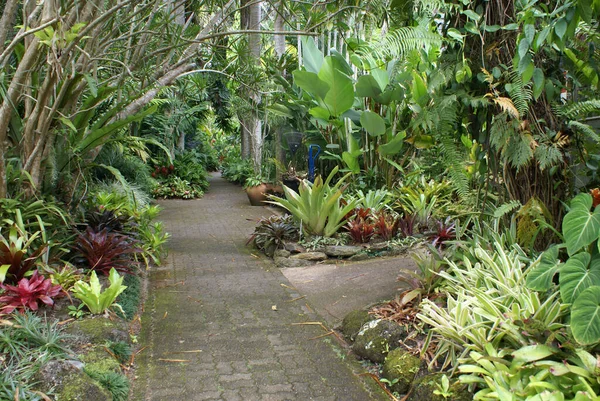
<point>28,293</point>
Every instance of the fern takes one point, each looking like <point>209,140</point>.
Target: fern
<point>548,155</point>
<point>520,95</point>
<point>506,208</point>
<point>574,111</point>
<point>584,129</point>
<point>401,41</point>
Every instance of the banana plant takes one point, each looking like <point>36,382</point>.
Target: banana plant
<point>317,205</point>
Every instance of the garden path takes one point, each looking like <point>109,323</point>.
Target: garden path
<point>210,326</point>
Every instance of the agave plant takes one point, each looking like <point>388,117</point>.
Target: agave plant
<point>28,293</point>
<point>317,205</point>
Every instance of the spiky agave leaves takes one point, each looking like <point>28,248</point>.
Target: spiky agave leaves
<point>317,205</point>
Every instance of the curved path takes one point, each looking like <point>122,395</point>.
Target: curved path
<point>209,325</point>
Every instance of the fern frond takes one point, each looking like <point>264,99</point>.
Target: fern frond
<point>520,95</point>
<point>507,106</point>
<point>584,129</point>
<point>506,208</point>
<point>578,110</point>
<point>548,155</point>
<point>400,42</point>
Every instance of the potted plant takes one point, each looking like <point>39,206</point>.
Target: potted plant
<point>256,189</point>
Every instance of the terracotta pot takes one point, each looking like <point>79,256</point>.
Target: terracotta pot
<point>257,195</point>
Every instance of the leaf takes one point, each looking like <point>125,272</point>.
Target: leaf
<point>419,89</point>
<point>340,96</point>
<point>532,353</point>
<point>529,30</point>
<point>580,227</point>
<point>577,275</point>
<point>367,86</point>
<point>351,162</point>
<point>540,277</point>
<point>472,15</point>
<point>68,123</point>
<point>312,57</point>
<point>538,83</point>
<point>394,146</point>
<point>585,316</point>
<point>372,123</point>
<point>311,83</point>
<point>560,28</point>
<point>541,38</point>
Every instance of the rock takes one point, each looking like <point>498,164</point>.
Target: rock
<point>98,330</point>
<point>353,322</point>
<point>423,389</point>
<point>294,247</point>
<point>376,338</point>
<point>359,257</point>
<point>288,262</point>
<point>401,368</point>
<point>97,360</point>
<point>379,246</point>
<point>69,383</point>
<point>282,253</point>
<point>314,256</point>
<point>342,251</point>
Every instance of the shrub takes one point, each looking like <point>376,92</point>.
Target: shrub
<point>29,293</point>
<point>101,251</point>
<point>271,232</point>
<point>93,297</point>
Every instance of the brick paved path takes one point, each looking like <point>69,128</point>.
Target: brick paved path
<point>209,326</point>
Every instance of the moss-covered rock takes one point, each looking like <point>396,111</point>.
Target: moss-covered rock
<point>376,338</point>
<point>97,360</point>
<point>424,389</point>
<point>68,382</point>
<point>353,322</point>
<point>98,330</point>
<point>400,369</point>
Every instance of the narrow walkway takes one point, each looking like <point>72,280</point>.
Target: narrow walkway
<point>209,323</point>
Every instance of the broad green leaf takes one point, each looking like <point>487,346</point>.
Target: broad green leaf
<point>511,27</point>
<point>538,82</point>
<point>310,82</point>
<point>382,77</point>
<point>340,96</point>
<point>367,86</point>
<point>351,162</point>
<point>419,89</point>
<point>528,73</point>
<point>540,39</point>
<point>523,47</point>
<point>529,30</point>
<point>312,57</point>
<point>91,81</point>
<point>492,28</point>
<point>320,113</point>
<point>455,34</point>
<point>585,316</point>
<point>580,226</point>
<point>68,123</point>
<point>584,8</point>
<point>532,353</point>
<point>394,146</point>
<point>472,15</point>
<point>372,123</point>
<point>578,274</point>
<point>540,277</point>
<point>560,28</point>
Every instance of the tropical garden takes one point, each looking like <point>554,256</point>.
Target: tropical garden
<point>462,132</point>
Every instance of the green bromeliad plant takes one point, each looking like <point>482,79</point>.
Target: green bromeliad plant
<point>318,205</point>
<point>93,297</point>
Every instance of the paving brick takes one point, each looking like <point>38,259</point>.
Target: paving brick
<point>213,295</point>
